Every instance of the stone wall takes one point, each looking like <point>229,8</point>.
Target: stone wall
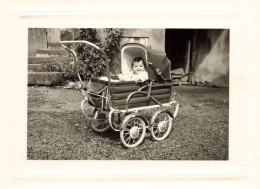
<point>210,56</point>
<point>38,38</point>
<point>156,36</point>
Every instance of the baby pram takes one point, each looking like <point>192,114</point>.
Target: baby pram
<point>116,104</point>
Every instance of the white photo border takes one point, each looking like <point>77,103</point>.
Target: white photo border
<point>238,169</point>
<point>233,167</point>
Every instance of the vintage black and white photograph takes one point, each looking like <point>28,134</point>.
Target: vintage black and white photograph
<point>128,94</point>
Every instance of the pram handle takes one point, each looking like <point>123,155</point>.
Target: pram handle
<point>80,41</point>
<point>76,60</point>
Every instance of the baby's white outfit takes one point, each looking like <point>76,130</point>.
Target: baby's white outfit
<point>131,76</point>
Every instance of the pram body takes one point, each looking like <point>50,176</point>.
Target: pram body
<point>116,103</point>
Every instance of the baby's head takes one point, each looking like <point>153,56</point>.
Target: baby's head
<point>138,65</point>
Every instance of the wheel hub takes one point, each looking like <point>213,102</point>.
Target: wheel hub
<point>134,132</point>
<point>162,126</point>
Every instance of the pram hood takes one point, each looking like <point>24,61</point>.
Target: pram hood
<point>154,59</point>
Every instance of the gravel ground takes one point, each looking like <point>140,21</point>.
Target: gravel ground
<point>57,129</point>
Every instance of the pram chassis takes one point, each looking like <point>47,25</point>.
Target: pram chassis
<point>133,127</point>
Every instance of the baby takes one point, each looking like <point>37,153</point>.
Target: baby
<point>138,74</point>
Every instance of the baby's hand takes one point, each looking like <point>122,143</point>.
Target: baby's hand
<point>120,77</point>
<point>137,79</point>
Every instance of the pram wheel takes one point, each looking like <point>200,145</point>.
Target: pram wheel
<point>99,121</point>
<point>133,130</point>
<point>115,120</point>
<point>161,123</point>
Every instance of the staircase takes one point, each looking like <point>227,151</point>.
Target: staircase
<point>37,75</point>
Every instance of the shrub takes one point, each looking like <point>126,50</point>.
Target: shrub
<point>63,67</point>
<point>90,61</point>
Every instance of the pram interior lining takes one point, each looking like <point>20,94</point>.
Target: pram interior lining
<point>128,53</point>
<point>158,60</point>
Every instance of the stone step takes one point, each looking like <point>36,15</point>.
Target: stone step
<point>35,67</point>
<point>44,78</point>
<point>40,60</point>
<point>54,46</point>
<point>51,52</point>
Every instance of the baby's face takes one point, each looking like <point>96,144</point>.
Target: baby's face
<point>138,67</point>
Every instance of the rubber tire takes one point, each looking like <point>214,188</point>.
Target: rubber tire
<point>102,121</point>
<point>126,120</point>
<point>155,115</point>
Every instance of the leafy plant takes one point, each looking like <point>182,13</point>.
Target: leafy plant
<point>63,67</point>
<point>90,61</point>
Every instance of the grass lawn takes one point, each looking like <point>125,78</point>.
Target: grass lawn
<point>57,129</point>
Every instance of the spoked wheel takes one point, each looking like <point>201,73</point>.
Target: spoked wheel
<point>161,124</point>
<point>115,120</point>
<point>99,121</point>
<point>133,131</point>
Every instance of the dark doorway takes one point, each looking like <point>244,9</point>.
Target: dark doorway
<point>178,48</point>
